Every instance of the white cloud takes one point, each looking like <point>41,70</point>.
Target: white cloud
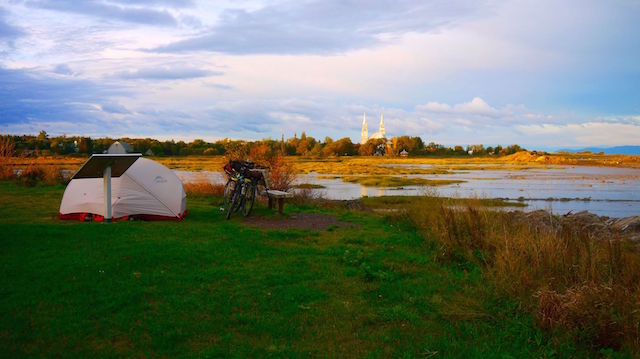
<point>476,106</point>
<point>584,134</point>
<point>434,107</point>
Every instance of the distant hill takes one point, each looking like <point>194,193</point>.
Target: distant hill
<point>617,150</point>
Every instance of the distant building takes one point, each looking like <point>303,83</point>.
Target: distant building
<point>119,148</point>
<point>404,153</point>
<point>149,152</point>
<point>364,134</point>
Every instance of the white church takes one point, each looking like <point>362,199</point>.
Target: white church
<point>364,135</point>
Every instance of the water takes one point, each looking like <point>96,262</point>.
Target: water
<point>606,191</point>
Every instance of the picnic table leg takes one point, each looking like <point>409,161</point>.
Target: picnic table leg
<point>270,202</point>
<point>280,202</point>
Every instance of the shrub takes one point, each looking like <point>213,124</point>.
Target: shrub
<point>34,174</point>
<point>31,176</point>
<point>282,173</point>
<point>308,196</point>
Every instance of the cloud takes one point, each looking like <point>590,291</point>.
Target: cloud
<point>476,106</point>
<point>114,107</point>
<point>63,69</point>
<point>584,134</point>
<point>434,107</point>
<point>322,27</point>
<point>8,32</point>
<point>166,73</point>
<point>110,11</point>
<point>27,95</point>
<point>164,3</point>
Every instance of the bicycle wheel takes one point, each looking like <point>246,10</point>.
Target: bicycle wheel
<point>234,201</point>
<point>249,197</point>
<point>238,203</point>
<point>228,190</point>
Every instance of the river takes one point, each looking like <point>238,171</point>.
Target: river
<point>606,191</point>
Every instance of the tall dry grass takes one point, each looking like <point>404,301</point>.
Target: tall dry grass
<point>571,279</point>
<point>7,150</point>
<point>203,187</point>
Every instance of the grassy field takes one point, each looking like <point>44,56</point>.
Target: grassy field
<point>208,287</point>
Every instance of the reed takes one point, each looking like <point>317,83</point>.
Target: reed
<point>570,278</point>
<point>202,187</point>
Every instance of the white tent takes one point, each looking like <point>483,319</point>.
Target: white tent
<point>147,190</point>
<point>119,147</point>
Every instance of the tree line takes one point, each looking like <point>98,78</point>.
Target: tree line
<point>45,145</point>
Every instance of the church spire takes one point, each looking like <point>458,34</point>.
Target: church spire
<point>382,131</point>
<point>364,135</point>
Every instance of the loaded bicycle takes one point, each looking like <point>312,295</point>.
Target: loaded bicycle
<point>241,187</point>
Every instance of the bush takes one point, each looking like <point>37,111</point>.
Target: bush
<point>31,176</point>
<point>308,196</point>
<point>282,173</point>
<point>34,174</point>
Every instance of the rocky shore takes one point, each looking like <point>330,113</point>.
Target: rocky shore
<point>597,227</point>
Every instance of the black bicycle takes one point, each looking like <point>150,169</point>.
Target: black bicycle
<point>241,187</point>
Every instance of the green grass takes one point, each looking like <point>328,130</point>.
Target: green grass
<point>391,181</point>
<point>207,287</point>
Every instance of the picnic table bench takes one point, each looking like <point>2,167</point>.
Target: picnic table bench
<point>272,194</point>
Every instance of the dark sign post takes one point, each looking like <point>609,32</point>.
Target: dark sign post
<point>106,166</point>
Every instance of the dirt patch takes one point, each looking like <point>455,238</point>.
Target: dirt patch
<point>315,221</point>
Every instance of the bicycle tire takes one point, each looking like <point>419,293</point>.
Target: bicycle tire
<point>233,203</point>
<point>226,194</point>
<point>238,203</point>
<point>248,199</point>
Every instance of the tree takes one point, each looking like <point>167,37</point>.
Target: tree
<point>84,145</point>
<point>341,147</point>
<point>42,135</point>
<point>370,147</point>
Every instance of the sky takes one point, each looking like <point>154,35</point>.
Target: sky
<point>543,74</point>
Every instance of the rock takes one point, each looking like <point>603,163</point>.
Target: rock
<point>627,225</point>
<point>584,222</point>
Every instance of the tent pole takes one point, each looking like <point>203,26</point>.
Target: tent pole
<point>107,193</point>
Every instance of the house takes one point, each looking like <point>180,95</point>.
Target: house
<point>149,153</point>
<point>404,153</point>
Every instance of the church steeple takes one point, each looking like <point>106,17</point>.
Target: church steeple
<point>382,131</point>
<point>364,135</point>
